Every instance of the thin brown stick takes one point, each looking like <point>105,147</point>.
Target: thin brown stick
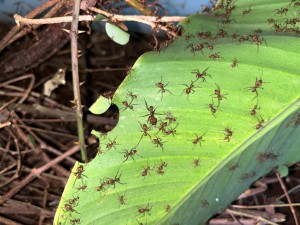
<point>258,218</point>
<point>34,120</point>
<point>6,221</point>
<point>15,139</point>
<point>297,187</point>
<point>7,168</point>
<point>22,20</point>
<point>75,77</point>
<point>56,152</point>
<point>34,96</point>
<point>164,19</point>
<point>264,206</point>
<point>28,89</point>
<point>152,21</point>
<point>44,205</point>
<point>287,197</point>
<point>45,131</point>
<point>21,134</point>
<point>61,179</point>
<point>37,172</point>
<point>62,115</point>
<point>25,208</point>
<point>5,124</point>
<point>65,19</point>
<point>16,79</point>
<point>9,180</point>
<point>59,169</point>
<point>5,104</point>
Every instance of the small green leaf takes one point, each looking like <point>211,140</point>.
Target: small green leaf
<point>100,106</point>
<point>283,170</point>
<point>117,34</point>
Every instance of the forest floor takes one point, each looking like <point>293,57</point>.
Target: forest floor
<point>42,128</point>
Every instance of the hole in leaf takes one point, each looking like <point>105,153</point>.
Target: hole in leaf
<point>100,125</point>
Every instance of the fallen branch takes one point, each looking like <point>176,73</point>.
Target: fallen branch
<point>152,21</point>
<point>67,19</point>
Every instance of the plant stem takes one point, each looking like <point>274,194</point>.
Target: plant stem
<point>75,76</point>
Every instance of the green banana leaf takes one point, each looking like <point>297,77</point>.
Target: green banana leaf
<point>199,121</point>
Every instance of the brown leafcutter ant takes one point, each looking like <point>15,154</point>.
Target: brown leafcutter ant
<point>213,109</point>
<point>198,139</point>
<point>127,105</point>
<point>189,89</point>
<point>201,75</point>
<point>122,199</point>
<point>196,162</point>
<point>130,154</point>
<point>144,210</point>
<point>171,131</point>
<point>234,63</point>
<point>111,144</point>
<point>131,95</point>
<point>215,56</point>
<point>146,170</point>
<point>204,203</point>
<point>258,84</point>
<point>113,181</point>
<point>247,11</point>
<point>228,134</point>
<point>233,166</point>
<point>260,124</point>
<point>158,142</point>
<point>78,174</point>
<point>151,115</point>
<point>162,88</point>
<point>281,11</point>
<point>75,221</point>
<point>253,111</point>
<point>218,95</point>
<point>83,187</point>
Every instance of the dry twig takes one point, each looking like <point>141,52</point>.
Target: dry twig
<point>37,172</point>
<point>287,197</point>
